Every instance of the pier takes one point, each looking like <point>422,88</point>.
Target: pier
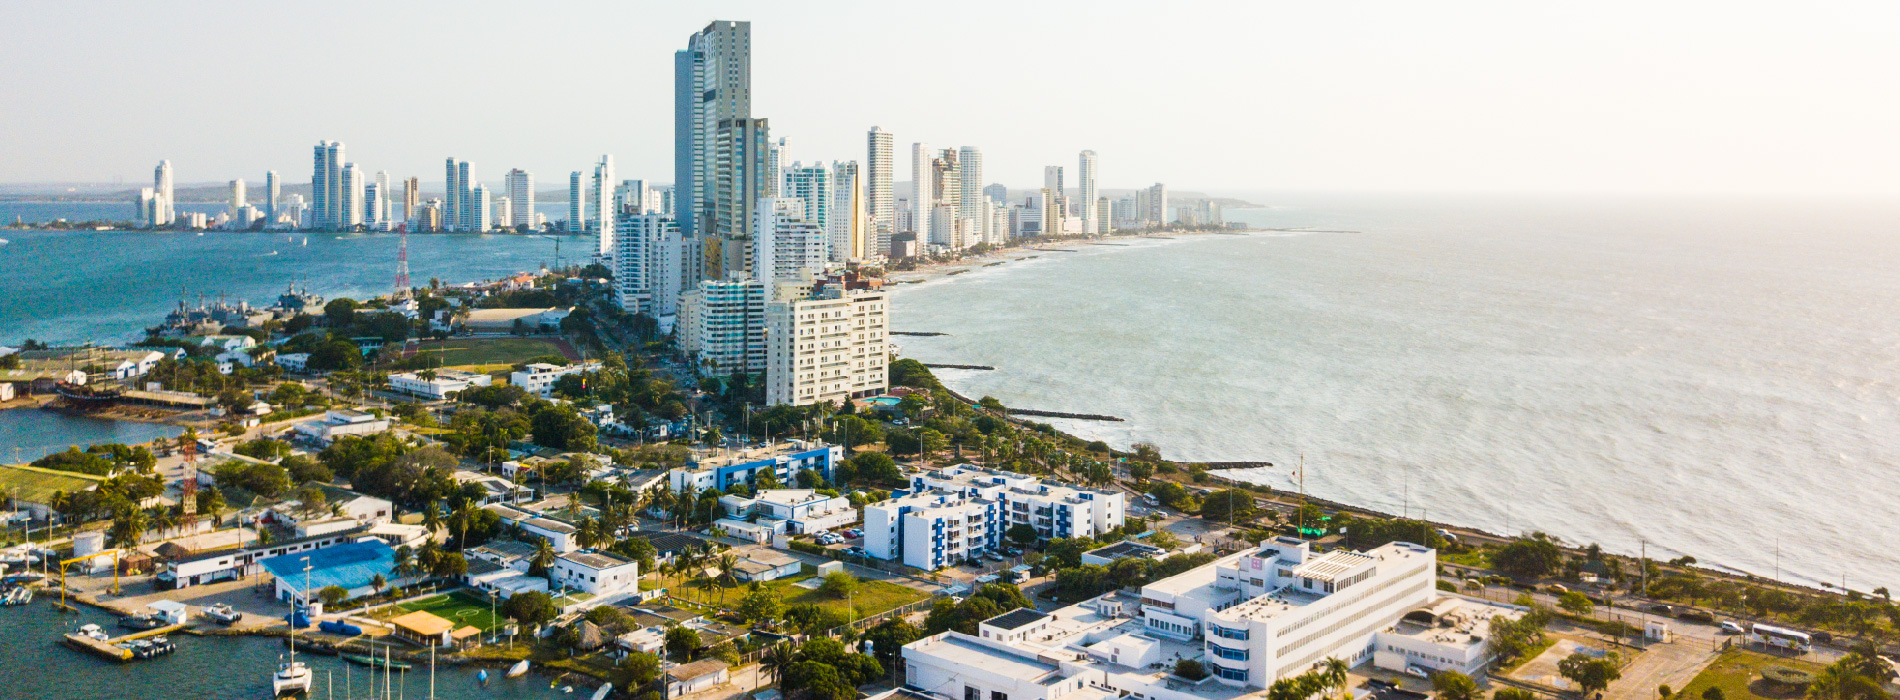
<point>918,333</point>
<point>933,365</point>
<point>109,648</point>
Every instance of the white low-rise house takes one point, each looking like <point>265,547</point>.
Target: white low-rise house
<point>596,572</point>
<point>686,679</point>
<point>767,565</point>
<point>759,532</point>
<point>539,378</point>
<point>340,422</point>
<point>228,342</point>
<point>398,535</point>
<point>558,534</point>
<point>439,385</point>
<point>294,362</point>
<point>509,554</point>
<point>803,510</point>
<point>1448,635</point>
<point>495,489</point>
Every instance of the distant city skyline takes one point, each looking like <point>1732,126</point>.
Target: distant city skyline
<point>1619,97</point>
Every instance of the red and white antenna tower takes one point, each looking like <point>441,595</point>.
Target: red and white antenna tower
<point>402,265</point>
<point>188,488</point>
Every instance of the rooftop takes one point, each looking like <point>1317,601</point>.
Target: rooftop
<point>965,651</point>
<point>595,560</point>
<point>35,484</point>
<point>506,549</point>
<point>551,525</point>
<point>423,623</point>
<point>1127,548</point>
<point>348,565</point>
<point>1332,565</point>
<point>1016,618</point>
<point>696,669</point>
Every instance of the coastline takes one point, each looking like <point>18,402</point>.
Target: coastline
<point>932,271</point>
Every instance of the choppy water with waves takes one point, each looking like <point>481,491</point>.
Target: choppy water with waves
<point>1716,378</point>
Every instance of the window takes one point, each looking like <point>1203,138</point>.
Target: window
<point>1226,633</point>
<point>994,695</point>
<point>1226,653</point>
<point>1232,674</point>
<point>970,693</point>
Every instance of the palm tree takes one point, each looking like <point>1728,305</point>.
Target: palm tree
<point>405,560</point>
<point>264,537</point>
<point>1334,673</point>
<point>432,517</point>
<point>462,515</point>
<point>544,559</point>
<point>778,659</point>
<point>587,532</point>
<point>377,582</point>
<point>728,563</point>
<point>128,527</point>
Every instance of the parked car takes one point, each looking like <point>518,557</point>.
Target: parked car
<point>1419,671</point>
<point>1732,627</point>
<point>1694,615</point>
<point>1823,637</point>
<point>1662,608</point>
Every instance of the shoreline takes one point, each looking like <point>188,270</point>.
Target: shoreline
<point>933,271</point>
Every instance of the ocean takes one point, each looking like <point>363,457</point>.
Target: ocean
<point>107,286</point>
<point>1707,377</point>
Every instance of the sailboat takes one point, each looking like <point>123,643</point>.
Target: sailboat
<point>519,668</point>
<point>292,676</point>
<point>306,240</point>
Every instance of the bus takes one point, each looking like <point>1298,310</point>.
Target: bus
<point>1780,638</point>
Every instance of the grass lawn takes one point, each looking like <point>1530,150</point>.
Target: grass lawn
<point>459,608</point>
<point>1530,653</point>
<point>871,598</point>
<point>1738,673</point>
<point>457,352</point>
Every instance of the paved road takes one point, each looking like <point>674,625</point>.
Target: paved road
<point>1673,664</point>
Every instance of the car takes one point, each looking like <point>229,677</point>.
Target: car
<point>1419,671</point>
<point>1662,608</point>
<point>1822,637</point>
<point>1693,615</point>
<point>1732,627</point>
<point>992,556</point>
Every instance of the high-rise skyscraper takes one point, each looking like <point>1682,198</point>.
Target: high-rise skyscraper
<point>1052,179</point>
<point>601,212</point>
<point>332,210</point>
<point>971,209</point>
<point>238,197</point>
<point>1085,173</point>
<point>465,212</point>
<point>451,195</point>
<point>375,201</point>
<point>576,203</point>
<point>320,186</point>
<point>740,180</point>
<point>922,184</point>
<point>776,160</point>
<point>273,192</point>
<point>946,198</point>
<point>786,245</point>
<point>378,208</point>
<point>521,197</point>
<point>411,198</point>
<point>164,206</point>
<point>504,212</point>
<point>349,202</point>
<point>880,202</point>
<point>713,96</point>
<point>848,220</point>
<point>811,186</point>
<point>477,208</point>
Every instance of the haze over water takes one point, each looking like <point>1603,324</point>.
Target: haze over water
<point>1714,377</point>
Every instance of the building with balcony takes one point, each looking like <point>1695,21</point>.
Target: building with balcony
<point>783,460</point>
<point>958,513</point>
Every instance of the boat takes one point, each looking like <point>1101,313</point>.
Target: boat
<point>603,692</point>
<point>480,677</point>
<point>141,622</point>
<point>93,631</point>
<point>223,614</point>
<point>291,677</point>
<point>142,648</point>
<point>162,644</point>
<point>567,689</point>
<point>518,669</point>
<point>374,662</point>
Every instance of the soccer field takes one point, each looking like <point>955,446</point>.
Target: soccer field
<point>458,352</point>
<point>459,608</point>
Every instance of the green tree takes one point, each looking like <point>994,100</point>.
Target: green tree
<point>1023,534</point>
<point>1590,673</point>
<point>1575,603</point>
<point>760,604</point>
<point>1452,685</point>
<point>1513,694</point>
<point>1230,505</point>
<point>636,670</point>
<point>839,584</point>
<point>1190,669</point>
<point>530,608</point>
<point>683,642</point>
<point>1529,557</point>
<point>331,595</point>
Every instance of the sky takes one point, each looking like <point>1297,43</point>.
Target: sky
<point>1621,97</point>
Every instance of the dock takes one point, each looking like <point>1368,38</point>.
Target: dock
<point>934,365</point>
<point>109,649</point>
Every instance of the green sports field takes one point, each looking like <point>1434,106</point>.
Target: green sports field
<point>458,352</point>
<point>459,608</point>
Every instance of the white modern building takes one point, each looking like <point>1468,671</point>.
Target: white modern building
<point>827,345</point>
<point>880,201</point>
<point>794,511</point>
<point>786,245</point>
<point>651,264</point>
<point>598,573</point>
<point>478,212</point>
<point>539,378</point>
<point>783,461</point>
<point>1085,177</point>
<point>601,212</point>
<point>439,385</point>
<point>812,187</point>
<point>350,199</point>
<point>340,422</point>
<point>521,197</point>
<point>721,326</point>
<point>958,513</point>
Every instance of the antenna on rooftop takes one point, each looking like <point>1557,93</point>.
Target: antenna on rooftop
<point>402,265</point>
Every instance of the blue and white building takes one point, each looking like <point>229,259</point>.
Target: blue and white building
<point>783,460</point>
<point>958,513</point>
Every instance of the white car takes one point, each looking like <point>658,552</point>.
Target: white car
<point>1732,627</point>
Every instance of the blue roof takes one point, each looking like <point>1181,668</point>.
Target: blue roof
<point>349,565</point>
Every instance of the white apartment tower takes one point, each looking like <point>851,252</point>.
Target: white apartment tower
<point>811,185</point>
<point>238,197</point>
<point>650,264</point>
<point>349,203</point>
<point>452,186</point>
<point>273,192</point>
<point>922,183</point>
<point>880,202</point>
<point>1085,172</point>
<point>828,345</point>
<point>521,196</point>
<point>504,212</point>
<point>477,209</point>
<point>786,245</point>
<point>601,208</point>
<point>465,214</point>
<point>722,325</point>
<point>776,156</point>
<point>379,208</point>
<point>576,203</point>
<point>847,213</point>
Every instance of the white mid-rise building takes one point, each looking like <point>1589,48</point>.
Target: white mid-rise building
<point>539,378</point>
<point>827,345</point>
<point>598,573</point>
<point>439,385</point>
<point>786,245</point>
<point>521,197</point>
<point>958,513</point>
<point>795,511</point>
<point>721,326</point>
<point>651,263</point>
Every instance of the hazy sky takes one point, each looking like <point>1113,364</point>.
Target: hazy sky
<point>1594,96</point>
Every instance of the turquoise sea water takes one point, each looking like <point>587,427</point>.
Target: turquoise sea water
<point>28,434</point>
<point>1715,378</point>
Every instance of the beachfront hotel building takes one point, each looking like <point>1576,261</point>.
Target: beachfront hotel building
<point>827,342</point>
<point>1250,618</point>
<point>958,513</point>
<point>652,263</point>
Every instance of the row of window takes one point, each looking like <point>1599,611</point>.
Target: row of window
<point>1356,597</point>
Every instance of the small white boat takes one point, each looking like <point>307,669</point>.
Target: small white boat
<point>292,677</point>
<point>604,690</point>
<point>567,689</point>
<point>223,614</point>
<point>94,632</point>
<point>518,669</point>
